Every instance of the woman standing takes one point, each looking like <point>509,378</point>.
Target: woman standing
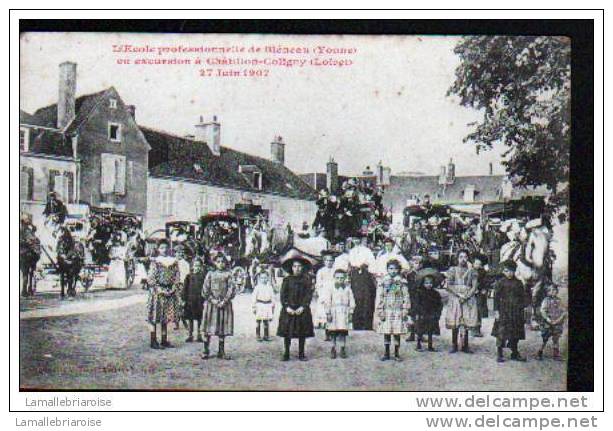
<point>295,320</point>
<point>163,281</point>
<point>116,276</point>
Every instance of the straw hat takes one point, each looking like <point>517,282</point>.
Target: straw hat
<point>295,255</point>
<point>429,272</point>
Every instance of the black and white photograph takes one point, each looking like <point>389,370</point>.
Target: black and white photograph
<point>294,212</point>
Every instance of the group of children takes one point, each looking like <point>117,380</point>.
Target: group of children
<point>405,303</point>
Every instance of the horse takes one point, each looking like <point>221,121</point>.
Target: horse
<point>70,259</point>
<point>280,240</point>
<point>531,252</point>
<point>29,255</point>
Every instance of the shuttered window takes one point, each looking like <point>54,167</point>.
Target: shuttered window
<point>113,174</point>
<point>26,184</point>
<point>53,173</point>
<point>167,202</point>
<point>69,187</point>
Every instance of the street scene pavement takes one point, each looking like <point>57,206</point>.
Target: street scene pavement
<point>109,349</point>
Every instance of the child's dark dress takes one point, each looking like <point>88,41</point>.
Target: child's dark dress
<point>428,311</point>
<point>296,291</point>
<point>192,296</point>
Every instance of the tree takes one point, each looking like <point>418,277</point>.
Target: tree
<point>522,86</point>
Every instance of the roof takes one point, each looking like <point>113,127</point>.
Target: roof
<point>487,187</point>
<point>189,159</point>
<point>50,142</point>
<point>25,118</point>
<point>47,116</point>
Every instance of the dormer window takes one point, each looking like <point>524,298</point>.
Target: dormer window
<point>257,180</point>
<point>114,132</point>
<point>24,139</point>
<point>113,103</point>
<point>253,174</point>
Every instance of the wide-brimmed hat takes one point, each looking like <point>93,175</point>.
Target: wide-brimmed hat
<point>325,253</point>
<point>429,272</point>
<point>295,255</point>
<point>483,258</point>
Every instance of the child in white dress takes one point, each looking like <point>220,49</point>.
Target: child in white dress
<point>263,304</point>
<point>339,304</point>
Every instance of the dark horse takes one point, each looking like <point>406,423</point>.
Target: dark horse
<point>70,256</point>
<point>29,254</point>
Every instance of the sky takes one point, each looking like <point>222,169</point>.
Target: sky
<point>389,105</point>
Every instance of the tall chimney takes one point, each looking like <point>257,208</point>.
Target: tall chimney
<point>132,111</point>
<point>450,172</point>
<point>332,176</point>
<point>210,133</point>
<point>442,176</point>
<point>67,92</point>
<point>277,150</point>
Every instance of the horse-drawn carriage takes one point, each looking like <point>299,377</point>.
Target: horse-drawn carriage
<point>438,231</point>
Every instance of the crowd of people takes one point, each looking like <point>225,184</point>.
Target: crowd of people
<point>366,277</point>
<point>352,289</point>
<point>355,209</point>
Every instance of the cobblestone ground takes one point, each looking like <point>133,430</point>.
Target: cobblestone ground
<point>109,350</point>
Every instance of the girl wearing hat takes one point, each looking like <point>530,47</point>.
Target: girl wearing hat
<point>218,292</point>
<point>295,320</point>
<point>163,280</point>
<point>393,306</point>
<point>428,307</point>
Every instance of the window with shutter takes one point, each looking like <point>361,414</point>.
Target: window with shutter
<point>26,184</point>
<point>52,174</point>
<point>60,187</point>
<point>130,178</point>
<point>24,138</point>
<point>120,175</point>
<point>69,177</point>
<point>107,173</point>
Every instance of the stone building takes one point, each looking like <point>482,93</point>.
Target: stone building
<point>88,149</point>
<point>194,175</point>
<point>93,154</point>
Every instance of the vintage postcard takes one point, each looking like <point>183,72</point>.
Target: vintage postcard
<point>277,212</point>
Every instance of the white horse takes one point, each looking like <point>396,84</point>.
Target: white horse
<point>529,248</point>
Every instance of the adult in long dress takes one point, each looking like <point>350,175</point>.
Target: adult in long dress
<point>116,276</point>
<point>363,285</point>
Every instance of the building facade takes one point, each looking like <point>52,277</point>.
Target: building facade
<point>88,149</point>
<point>213,178</point>
<point>92,153</point>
